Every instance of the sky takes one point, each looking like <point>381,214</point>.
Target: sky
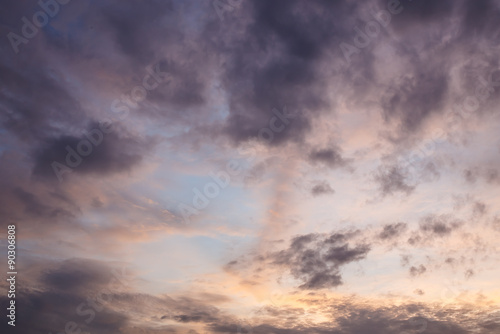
<point>251,166</point>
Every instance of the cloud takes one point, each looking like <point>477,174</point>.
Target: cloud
<point>329,157</point>
<point>354,317</point>
<point>477,19</point>
<point>74,291</point>
<point>434,226</point>
<point>415,98</point>
<point>392,230</point>
<point>280,64</point>
<point>393,179</point>
<point>108,153</point>
<point>36,104</point>
<point>80,292</point>
<point>417,271</point>
<point>419,292</point>
<point>322,188</point>
<point>439,225</point>
<point>269,65</point>
<point>424,11</point>
<point>316,259</point>
<point>76,275</point>
<point>490,175</point>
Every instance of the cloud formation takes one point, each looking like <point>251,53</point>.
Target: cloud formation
<point>316,259</point>
<point>404,127</point>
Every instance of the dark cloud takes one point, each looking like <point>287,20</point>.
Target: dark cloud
<point>34,103</point>
<point>416,98</point>
<point>271,63</point>
<point>434,226</point>
<point>77,275</point>
<point>329,157</point>
<point>426,11</point>
<point>38,208</point>
<point>75,291</point>
<point>440,226</point>
<point>392,230</point>
<point>51,312</point>
<point>393,179</point>
<point>109,153</point>
<point>32,204</point>
<point>92,296</point>
<point>352,318</point>
<point>322,188</point>
<point>280,64</point>
<point>102,307</point>
<point>478,18</point>
<point>316,259</point>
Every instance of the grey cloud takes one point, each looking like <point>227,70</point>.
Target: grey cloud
<point>269,54</point>
<point>76,275</point>
<point>55,293</point>
<point>439,225</point>
<point>426,11</point>
<point>46,312</point>
<point>35,103</point>
<point>478,18</point>
<point>33,205</point>
<point>434,226</point>
<point>352,318</point>
<point>51,306</point>
<point>279,64</point>
<point>36,207</point>
<point>322,188</point>
<point>392,230</point>
<point>330,157</point>
<point>393,179</point>
<point>416,98</point>
<point>115,153</point>
<point>93,295</point>
<point>316,259</point>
